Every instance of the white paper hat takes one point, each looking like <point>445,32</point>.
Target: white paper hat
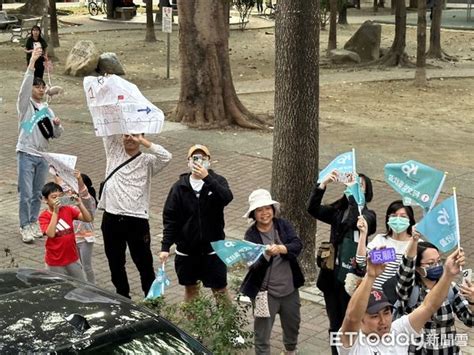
<point>260,198</point>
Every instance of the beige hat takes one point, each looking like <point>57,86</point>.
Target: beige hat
<point>198,147</point>
<point>260,198</point>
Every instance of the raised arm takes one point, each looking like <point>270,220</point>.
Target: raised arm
<point>321,212</point>
<point>220,186</point>
<point>357,306</point>
<point>438,293</point>
<point>24,96</point>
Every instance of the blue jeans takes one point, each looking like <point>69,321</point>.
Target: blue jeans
<point>32,172</point>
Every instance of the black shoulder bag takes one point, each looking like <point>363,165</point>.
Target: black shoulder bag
<point>102,184</point>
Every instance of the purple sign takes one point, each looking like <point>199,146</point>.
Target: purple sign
<point>383,256</point>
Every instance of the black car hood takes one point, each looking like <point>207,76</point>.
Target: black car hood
<point>44,312</point>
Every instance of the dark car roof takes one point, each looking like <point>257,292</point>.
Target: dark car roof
<point>44,312</point>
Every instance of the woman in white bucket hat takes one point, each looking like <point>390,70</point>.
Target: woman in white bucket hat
<point>276,275</point>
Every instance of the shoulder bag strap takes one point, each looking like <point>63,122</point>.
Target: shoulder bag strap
<point>121,166</point>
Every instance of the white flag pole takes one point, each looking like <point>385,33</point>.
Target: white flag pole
<point>458,234</point>
<point>438,191</point>
<point>354,161</point>
<point>163,281</point>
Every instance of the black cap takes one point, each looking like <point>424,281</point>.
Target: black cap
<point>377,302</point>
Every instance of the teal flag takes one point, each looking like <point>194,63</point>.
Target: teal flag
<point>29,125</point>
<point>418,184</point>
<point>161,281</point>
<point>355,190</point>
<point>343,163</point>
<point>234,251</point>
<point>440,225</point>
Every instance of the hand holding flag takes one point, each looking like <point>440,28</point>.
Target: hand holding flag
<point>344,164</point>
<point>161,281</point>
<point>234,251</point>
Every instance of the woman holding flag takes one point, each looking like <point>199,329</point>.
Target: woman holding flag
<point>273,280</point>
<point>419,272</point>
<point>342,215</point>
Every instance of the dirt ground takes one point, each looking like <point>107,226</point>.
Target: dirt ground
<point>436,123</point>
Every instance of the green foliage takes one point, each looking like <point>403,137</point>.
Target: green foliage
<point>244,7</point>
<point>215,322</point>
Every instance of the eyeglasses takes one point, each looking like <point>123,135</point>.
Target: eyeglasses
<point>431,263</point>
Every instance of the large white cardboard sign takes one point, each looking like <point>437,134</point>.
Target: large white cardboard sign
<point>118,107</point>
<point>63,165</point>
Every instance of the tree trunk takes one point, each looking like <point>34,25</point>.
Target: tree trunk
<point>413,4</point>
<point>150,26</point>
<point>296,132</point>
<point>207,97</point>
<point>332,41</point>
<point>45,33</point>
<point>34,7</point>
<point>54,38</point>
<point>1,5</point>
<point>396,55</point>
<point>420,73</point>
<point>435,50</point>
<point>110,9</point>
<point>342,18</point>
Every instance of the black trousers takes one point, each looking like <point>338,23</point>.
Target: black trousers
<point>336,299</point>
<point>120,232</point>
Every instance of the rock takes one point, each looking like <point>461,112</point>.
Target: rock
<point>82,59</point>
<point>110,64</point>
<point>366,41</point>
<point>341,56</point>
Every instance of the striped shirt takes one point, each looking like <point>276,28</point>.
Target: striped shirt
<point>391,268</point>
<point>439,331</point>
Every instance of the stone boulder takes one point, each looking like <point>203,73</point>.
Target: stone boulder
<point>110,64</point>
<point>342,56</point>
<point>82,59</point>
<point>366,41</point>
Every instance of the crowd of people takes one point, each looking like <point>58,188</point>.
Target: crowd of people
<point>412,295</point>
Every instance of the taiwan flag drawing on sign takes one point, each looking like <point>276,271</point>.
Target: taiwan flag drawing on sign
<point>417,183</point>
<point>440,226</point>
<point>343,163</point>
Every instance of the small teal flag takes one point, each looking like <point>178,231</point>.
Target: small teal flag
<point>440,225</point>
<point>418,184</point>
<point>29,125</point>
<point>161,281</point>
<point>234,251</point>
<point>354,189</point>
<point>343,163</point>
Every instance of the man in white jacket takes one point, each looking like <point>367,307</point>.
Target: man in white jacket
<point>37,124</point>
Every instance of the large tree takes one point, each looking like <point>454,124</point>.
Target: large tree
<point>420,73</point>
<point>54,35</point>
<point>296,132</point>
<point>332,40</point>
<point>396,55</point>
<point>207,97</point>
<point>435,50</point>
<point>150,26</point>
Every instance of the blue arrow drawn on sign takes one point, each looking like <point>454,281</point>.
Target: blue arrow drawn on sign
<point>147,110</point>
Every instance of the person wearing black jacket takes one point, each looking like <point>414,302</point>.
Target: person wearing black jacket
<point>342,215</point>
<point>193,216</point>
<point>276,273</point>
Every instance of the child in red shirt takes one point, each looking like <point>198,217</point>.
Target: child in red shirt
<point>57,224</point>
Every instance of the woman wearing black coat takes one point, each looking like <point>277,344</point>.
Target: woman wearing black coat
<point>342,216</point>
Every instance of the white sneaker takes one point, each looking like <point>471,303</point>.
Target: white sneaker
<point>27,235</point>
<point>35,230</point>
